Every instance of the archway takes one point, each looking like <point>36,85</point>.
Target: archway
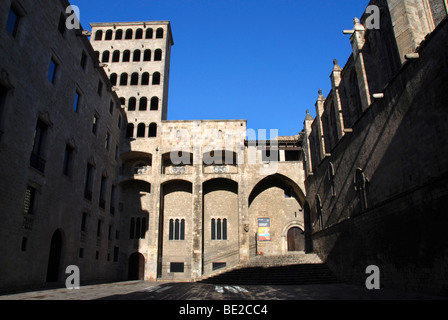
<point>54,259</point>
<point>296,239</point>
<point>136,267</point>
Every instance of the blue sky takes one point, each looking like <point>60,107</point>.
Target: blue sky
<point>259,60</point>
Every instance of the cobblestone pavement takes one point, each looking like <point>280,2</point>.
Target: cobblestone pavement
<point>141,290</point>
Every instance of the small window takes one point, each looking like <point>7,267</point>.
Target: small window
<point>13,22</point>
<point>126,56</point>
<point>100,88</point>
<point>143,104</point>
<point>152,130</point>
<point>109,34</point>
<point>134,79</point>
<point>99,230</point>
<point>113,79</point>
<point>149,33</point>
<point>159,33</point>
<point>95,124</point>
<point>177,267</point>
<point>76,102</point>
<point>132,104</point>
<point>141,130</point>
<point>107,142</point>
<point>158,55</point>
<point>218,265</point>
<point>130,130</point>
<point>88,183</point>
<point>40,136</point>
<point>84,222</point>
<point>154,103</point>
<point>83,62</point>
<point>24,243</point>
<point>116,56</point>
<point>139,34</point>
<point>103,187</point>
<point>124,79</point>
<point>99,35</point>
<point>52,70</point>
<point>106,56</point>
<point>129,34</point>
<point>119,34</point>
<point>156,78</point>
<point>29,204</point>
<point>137,54</point>
<point>145,79</point>
<point>147,55</point>
<point>68,161</point>
<point>218,229</point>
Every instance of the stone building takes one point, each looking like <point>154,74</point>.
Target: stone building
<point>192,191</point>
<point>375,154</point>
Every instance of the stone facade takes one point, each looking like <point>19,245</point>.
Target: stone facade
<point>375,153</point>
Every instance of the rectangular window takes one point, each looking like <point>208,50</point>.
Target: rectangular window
<point>24,242</point>
<point>81,252</point>
<point>89,182</point>
<point>213,229</point>
<point>68,159</point>
<point>40,135</point>
<point>100,88</point>
<point>52,70</point>
<point>30,201</point>
<point>115,254</point>
<point>112,199</point>
<point>84,222</point>
<point>218,265</point>
<point>95,124</point>
<point>103,192</point>
<point>76,101</point>
<point>99,228</point>
<point>13,22</point>
<point>83,60</point>
<point>111,107</point>
<point>177,267</point>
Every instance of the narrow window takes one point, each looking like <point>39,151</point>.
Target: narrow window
<point>116,56</point>
<point>182,229</point>
<point>24,242</point>
<point>176,229</point>
<point>132,103</point>
<point>106,56</point>
<point>171,230</point>
<point>76,102</point>
<point>119,34</point>
<point>107,142</point>
<point>84,222</point>
<point>40,135</point>
<point>152,130</point>
<point>213,229</point>
<point>218,229</point>
<point>141,130</point>
<point>134,79</point>
<point>99,228</point>
<point>100,88</point>
<point>95,124</point>
<point>13,22</point>
<point>113,79</point>
<point>224,229</point>
<point>111,107</point>
<point>130,130</point>
<point>126,56</point>
<point>147,55</point>
<point>109,34</point>
<point>143,105</point>
<point>158,55</point>
<point>83,62</point>
<point>149,33</point>
<point>124,79</point>
<point>88,183</point>
<point>128,35</point>
<point>159,33</point>
<point>137,54</point>
<point>156,78</point>
<point>145,79</point>
<point>154,103</point>
<point>29,203</point>
<point>113,192</point>
<point>99,35</point>
<point>139,34</point>
<point>68,161</point>
<point>52,70</point>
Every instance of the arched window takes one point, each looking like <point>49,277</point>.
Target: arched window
<point>224,229</point>
<point>147,55</point>
<point>139,34</point>
<point>130,130</point>
<point>154,103</point>
<point>145,79</point>
<point>159,33</point>
<point>141,130</point>
<point>171,230</point>
<point>152,130</point>
<point>116,56</point>
<point>156,78</point>
<point>122,101</point>
<point>106,56</point>
<point>182,229</point>
<point>213,230</point>
<point>137,55</point>
<point>128,35</point>
<point>119,34</point>
<point>176,229</point>
<point>158,55</point>
<point>126,56</point>
<point>108,35</point>
<point>134,79</point>
<point>149,33</point>
<point>132,103</point>
<point>99,35</point>
<point>97,54</point>
<point>143,104</point>
<point>218,229</point>
<point>124,79</point>
<point>113,79</point>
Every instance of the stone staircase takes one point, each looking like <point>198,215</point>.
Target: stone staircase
<point>292,269</point>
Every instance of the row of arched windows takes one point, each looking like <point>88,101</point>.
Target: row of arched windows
<point>126,56</point>
<point>142,105</point>
<point>134,79</point>
<point>141,130</point>
<point>128,34</point>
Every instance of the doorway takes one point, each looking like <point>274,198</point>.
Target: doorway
<point>296,239</point>
<point>136,267</point>
<point>54,260</point>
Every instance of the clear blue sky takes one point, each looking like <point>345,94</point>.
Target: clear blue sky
<point>260,60</point>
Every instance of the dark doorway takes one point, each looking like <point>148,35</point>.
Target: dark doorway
<point>136,269</point>
<point>296,239</point>
<point>54,260</point>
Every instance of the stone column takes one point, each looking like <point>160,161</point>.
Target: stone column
<point>335,81</point>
